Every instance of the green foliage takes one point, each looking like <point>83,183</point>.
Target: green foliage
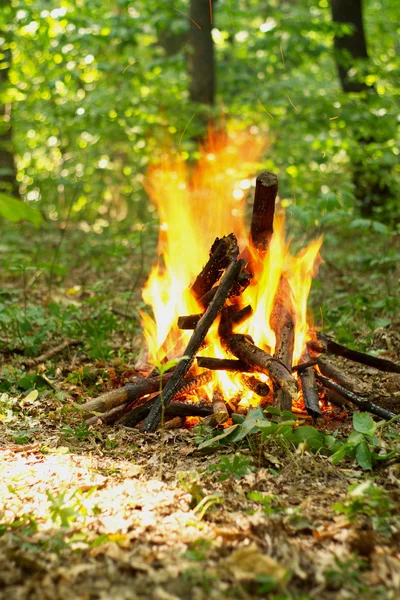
<point>238,467</point>
<point>362,444</point>
<point>15,211</point>
<point>367,500</point>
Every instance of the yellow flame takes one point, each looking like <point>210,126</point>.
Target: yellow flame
<point>196,207</point>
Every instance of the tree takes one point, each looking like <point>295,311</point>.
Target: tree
<point>201,61</point>
<point>8,175</point>
<point>371,188</point>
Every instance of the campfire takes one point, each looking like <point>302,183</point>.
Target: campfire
<point>236,334</point>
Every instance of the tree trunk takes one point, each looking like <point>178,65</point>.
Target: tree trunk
<point>8,175</point>
<point>352,46</point>
<point>370,187</point>
<point>201,60</point>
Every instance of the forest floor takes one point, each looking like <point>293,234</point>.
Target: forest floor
<point>98,512</point>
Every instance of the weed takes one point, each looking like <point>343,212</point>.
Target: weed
<point>238,467</point>
<point>81,431</point>
<point>367,500</point>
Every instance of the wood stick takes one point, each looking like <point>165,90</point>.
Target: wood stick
<point>177,409</point>
<point>299,368</point>
<point>325,344</point>
<point>129,393</point>
<point>153,419</point>
<point>310,389</point>
<point>219,407</point>
<point>110,416</point>
<point>223,364</point>
<point>174,423</point>
<point>33,362</point>
<point>188,321</point>
<point>262,221</point>
<point>361,402</point>
<point>330,370</point>
<point>223,251</point>
<point>255,385</point>
<point>282,323</point>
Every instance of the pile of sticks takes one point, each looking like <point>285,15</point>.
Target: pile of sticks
<point>149,400</point>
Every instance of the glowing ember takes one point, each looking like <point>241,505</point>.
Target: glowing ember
<point>195,208</point>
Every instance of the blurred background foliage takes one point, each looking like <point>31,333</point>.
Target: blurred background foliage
<point>91,91</point>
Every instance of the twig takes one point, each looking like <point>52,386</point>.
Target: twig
<point>33,362</point>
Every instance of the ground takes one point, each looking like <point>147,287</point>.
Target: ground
<point>99,512</point>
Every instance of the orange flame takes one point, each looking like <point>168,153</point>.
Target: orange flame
<point>195,208</point>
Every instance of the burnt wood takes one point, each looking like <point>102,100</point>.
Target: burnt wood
<point>223,251</point>
<point>255,385</point>
<point>175,409</point>
<point>330,370</point>
<point>223,364</point>
<point>163,400</point>
<point>361,402</point>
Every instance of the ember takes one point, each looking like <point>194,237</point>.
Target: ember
<point>251,341</point>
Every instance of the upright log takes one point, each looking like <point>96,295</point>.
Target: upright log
<point>309,389</point>
<point>153,419</point>
<point>262,222</point>
<point>282,323</point>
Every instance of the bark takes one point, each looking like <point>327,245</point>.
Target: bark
<point>201,59</point>
<point>223,364</point>
<point>222,252</point>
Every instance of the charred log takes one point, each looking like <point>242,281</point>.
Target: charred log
<point>262,222</point>
<point>223,251</point>
<point>223,364</point>
<point>282,323</point>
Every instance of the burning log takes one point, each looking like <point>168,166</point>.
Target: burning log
<point>188,321</point>
<point>262,221</point>
<point>325,344</point>
<point>241,284</point>
<point>219,407</point>
<point>255,385</point>
<point>282,322</point>
<point>223,251</point>
<point>244,349</point>
<point>310,389</point>
<point>153,419</point>
<point>223,364</point>
<point>361,402</point>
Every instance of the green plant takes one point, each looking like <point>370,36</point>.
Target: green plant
<point>80,432</point>
<point>368,500</point>
<point>238,467</point>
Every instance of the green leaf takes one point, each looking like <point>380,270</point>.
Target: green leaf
<point>306,433</point>
<point>364,456</point>
<point>16,210</point>
<point>364,423</point>
<point>218,438</point>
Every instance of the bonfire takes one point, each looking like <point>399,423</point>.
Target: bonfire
<point>234,333</point>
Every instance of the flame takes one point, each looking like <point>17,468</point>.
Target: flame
<point>196,206</point>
